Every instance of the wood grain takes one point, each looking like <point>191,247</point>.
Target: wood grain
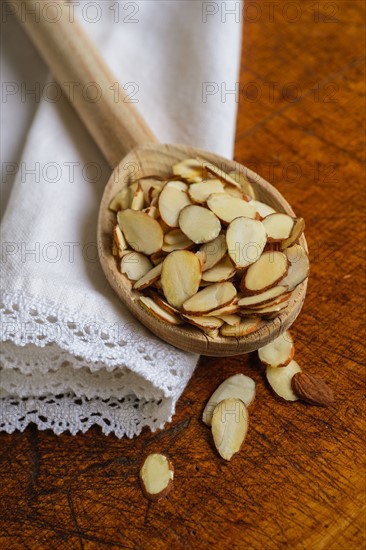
<point>298,482</point>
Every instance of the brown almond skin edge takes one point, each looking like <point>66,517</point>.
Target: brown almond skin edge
<point>312,389</point>
<point>162,494</point>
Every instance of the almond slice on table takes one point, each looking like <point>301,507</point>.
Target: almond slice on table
<point>246,326</point>
<point>191,170</point>
<point>244,183</point>
<point>299,267</point>
<point>246,239</point>
<point>312,389</point>
<point>280,380</point>
<point>222,271</point>
<point>213,252</point>
<point>229,426</point>
<point>149,278</point>
<point>278,226</point>
<point>155,309</point>
<point>121,201</point>
<point>180,276</point>
<point>279,352</point>
<point>221,174</point>
<point>297,231</point>
<point>199,224</point>
<point>205,323</point>
<point>212,297</point>
<point>262,208</point>
<point>135,265</point>
<point>263,298</point>
<point>199,192</point>
<point>231,319</point>
<point>137,202</point>
<point>171,202</point>
<point>228,208</point>
<point>266,272</point>
<point>141,231</point>
<point>237,386</point>
<point>156,476</point>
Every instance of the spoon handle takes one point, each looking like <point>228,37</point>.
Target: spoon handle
<point>87,82</point>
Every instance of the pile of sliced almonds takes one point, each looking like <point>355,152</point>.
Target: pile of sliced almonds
<point>203,250</point>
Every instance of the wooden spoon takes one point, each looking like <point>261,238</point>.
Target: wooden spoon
<point>121,133</point>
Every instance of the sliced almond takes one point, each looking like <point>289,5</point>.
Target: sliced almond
<point>201,255</point>
<point>135,265</point>
<point>278,226</point>
<point>296,232</point>
<point>211,297</point>
<point>176,184</point>
<point>199,224</point>
<point>228,208</point>
<point>152,211</point>
<point>232,320</point>
<point>156,476</point>
<point>119,239</point>
<point>180,277</point>
<point>162,303</point>
<point>283,299</point>
<point>155,309</point>
<point>244,183</point>
<point>191,170</point>
<point>262,298</point>
<point>171,202</point>
<point>213,252</point>
<point>206,323</point>
<point>247,326</point>
<point>149,278</point>
<point>199,192</point>
<point>265,311</point>
<point>229,426</point>
<point>147,183</point>
<point>121,201</point>
<point>158,257</point>
<point>279,352</point>
<point>262,208</point>
<point>183,245</point>
<point>115,251</point>
<point>246,239</point>
<point>238,386</point>
<point>280,380</point>
<point>299,267</point>
<point>142,232</point>
<point>174,236</point>
<point>222,271</point>
<point>226,310</point>
<point>137,202</point>
<point>264,273</point>
<point>221,174</point>
<point>236,192</point>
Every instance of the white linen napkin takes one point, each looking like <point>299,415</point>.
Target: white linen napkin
<point>72,356</point>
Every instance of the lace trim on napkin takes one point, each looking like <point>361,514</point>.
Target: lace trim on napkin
<point>48,359</point>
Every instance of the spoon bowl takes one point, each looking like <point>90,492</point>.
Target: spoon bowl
<point>157,159</point>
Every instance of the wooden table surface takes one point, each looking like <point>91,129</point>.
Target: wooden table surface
<point>299,481</point>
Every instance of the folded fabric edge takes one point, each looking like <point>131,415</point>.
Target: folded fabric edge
<point>69,413</point>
